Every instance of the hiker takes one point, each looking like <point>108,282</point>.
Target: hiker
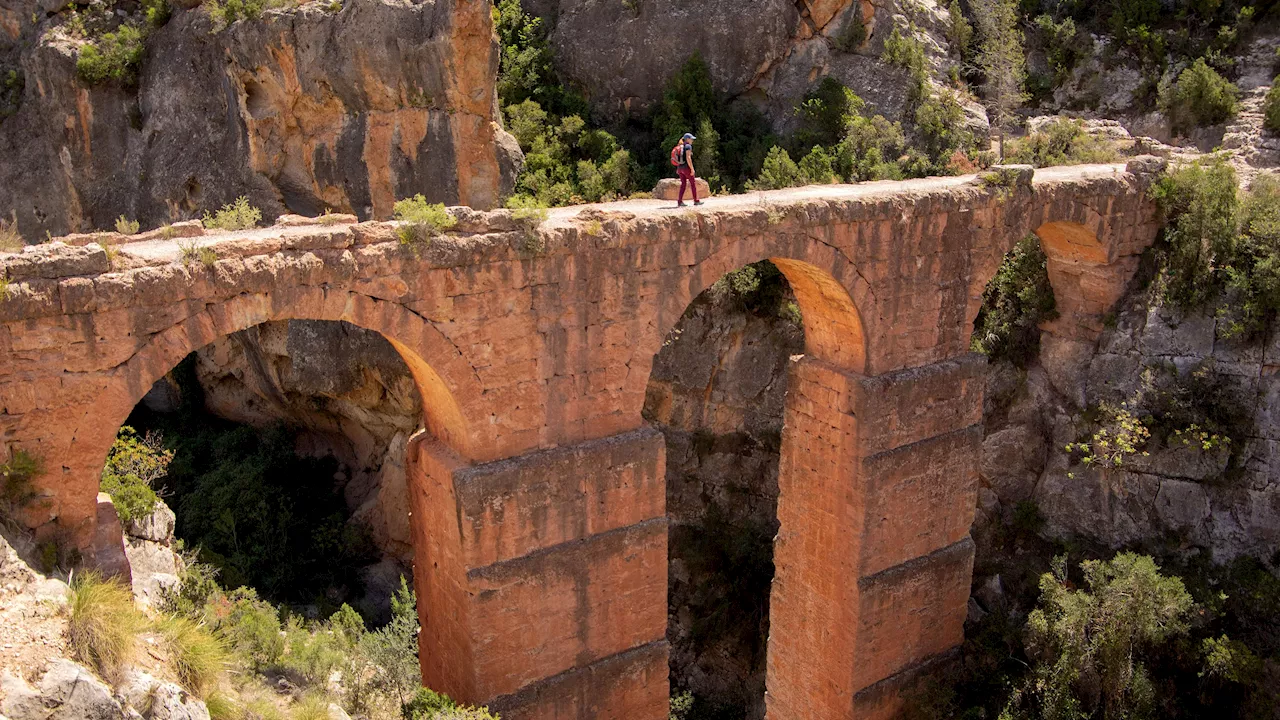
<point>682,158</point>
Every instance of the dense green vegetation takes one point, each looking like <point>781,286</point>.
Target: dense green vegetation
<point>570,159</point>
<point>1197,37</point>
<point>261,514</point>
<point>1014,304</point>
<point>1221,249</point>
<point>1062,142</point>
<point>1109,635</point>
<point>1199,97</point>
<point>1271,107</point>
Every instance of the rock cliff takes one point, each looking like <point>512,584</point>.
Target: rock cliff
<point>771,52</point>
<point>347,106</point>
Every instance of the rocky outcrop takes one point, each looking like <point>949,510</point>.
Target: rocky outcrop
<point>67,692</point>
<point>347,107</point>
<point>716,392</point>
<point>1179,496</point>
<point>154,565</point>
<point>346,388</point>
<point>770,52</point>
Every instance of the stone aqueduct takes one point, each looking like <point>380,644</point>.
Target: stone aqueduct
<point>537,490</point>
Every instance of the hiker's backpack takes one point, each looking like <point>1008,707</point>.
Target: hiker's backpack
<point>676,155</point>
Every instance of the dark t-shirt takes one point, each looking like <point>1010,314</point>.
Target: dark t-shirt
<point>684,155</point>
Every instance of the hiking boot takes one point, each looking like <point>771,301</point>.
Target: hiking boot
<point>680,204</point>
<point>697,202</point>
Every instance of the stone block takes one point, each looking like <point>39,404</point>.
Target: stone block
<point>912,612</point>
<point>669,189</point>
<point>562,608</point>
<point>631,685</point>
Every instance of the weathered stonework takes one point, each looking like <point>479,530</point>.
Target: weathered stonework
<point>537,492</point>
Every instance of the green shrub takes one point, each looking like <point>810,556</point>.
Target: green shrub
<point>1090,646</point>
<point>940,127</point>
<point>197,657</point>
<point>1219,248</point>
<point>1200,97</point>
<point>430,705</point>
<point>779,171</point>
<point>421,220</point>
<point>392,650</point>
<point>1271,108</point>
<point>906,51</point>
<point>854,32</point>
<point>226,12</point>
<point>133,466</point>
<point>249,626</point>
<point>1014,304</point>
<point>239,215</point>
<point>191,253</point>
<point>103,625</point>
<point>114,56</point>
<point>16,476</point>
<point>816,167</point>
<point>961,31</point>
<point>125,226</point>
<point>1062,142</point>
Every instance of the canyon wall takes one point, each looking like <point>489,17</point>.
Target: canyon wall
<point>342,106</point>
<point>770,52</point>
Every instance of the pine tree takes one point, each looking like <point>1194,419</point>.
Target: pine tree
<point>1002,61</point>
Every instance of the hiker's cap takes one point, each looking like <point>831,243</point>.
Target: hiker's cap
<point>688,136</point>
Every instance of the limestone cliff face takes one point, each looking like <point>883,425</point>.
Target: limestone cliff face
<point>300,110</point>
<point>771,52</point>
<point>716,392</point>
<point>1224,499</point>
<point>348,391</point>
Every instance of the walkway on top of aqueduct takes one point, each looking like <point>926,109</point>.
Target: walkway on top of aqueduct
<point>537,492</point>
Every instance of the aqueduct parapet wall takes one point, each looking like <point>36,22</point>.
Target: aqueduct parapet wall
<point>538,491</point>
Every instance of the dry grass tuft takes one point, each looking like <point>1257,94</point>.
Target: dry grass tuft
<point>105,624</point>
<point>199,658</point>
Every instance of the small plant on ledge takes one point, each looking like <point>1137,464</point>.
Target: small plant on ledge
<point>422,221</point>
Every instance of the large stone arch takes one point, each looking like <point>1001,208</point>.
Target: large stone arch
<point>427,353</point>
<point>439,371</point>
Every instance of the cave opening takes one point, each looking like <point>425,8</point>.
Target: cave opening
<point>285,451</point>
<point>716,392</point>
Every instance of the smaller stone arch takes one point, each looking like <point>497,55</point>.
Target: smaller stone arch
<point>826,284</point>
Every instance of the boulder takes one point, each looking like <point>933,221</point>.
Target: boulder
<point>156,527</point>
<point>159,700</point>
<point>107,552</point>
<point>669,189</point>
<point>1012,459</point>
<point>67,692</point>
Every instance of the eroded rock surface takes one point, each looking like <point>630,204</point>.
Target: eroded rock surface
<point>771,52</point>
<point>300,110</point>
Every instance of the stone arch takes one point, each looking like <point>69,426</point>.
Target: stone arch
<point>826,284</point>
<point>431,359</point>
<point>1086,282</point>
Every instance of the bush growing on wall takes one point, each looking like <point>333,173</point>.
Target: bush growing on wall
<point>133,467</point>
<point>1221,249</point>
<point>1014,304</point>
